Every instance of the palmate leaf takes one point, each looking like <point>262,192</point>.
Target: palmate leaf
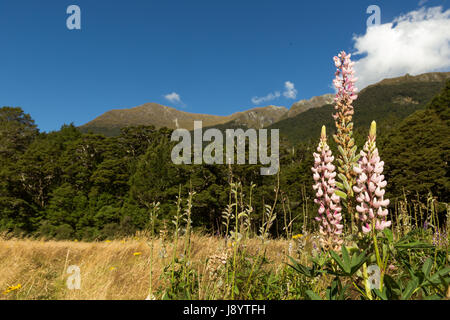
<point>349,266</point>
<point>308,272</point>
<point>357,261</point>
<point>345,268</point>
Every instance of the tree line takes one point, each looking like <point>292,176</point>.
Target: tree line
<point>72,185</point>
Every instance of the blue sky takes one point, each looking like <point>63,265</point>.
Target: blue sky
<point>215,55</point>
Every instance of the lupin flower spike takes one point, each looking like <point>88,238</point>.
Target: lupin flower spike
<point>345,79</point>
<point>346,91</point>
<point>329,214</point>
<point>372,211</point>
<point>347,157</point>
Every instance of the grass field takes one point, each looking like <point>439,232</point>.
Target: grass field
<point>117,269</point>
<point>209,267</point>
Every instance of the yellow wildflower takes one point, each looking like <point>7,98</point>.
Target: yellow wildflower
<point>112,268</point>
<point>137,254</point>
<point>297,236</point>
<point>231,244</point>
<point>12,288</point>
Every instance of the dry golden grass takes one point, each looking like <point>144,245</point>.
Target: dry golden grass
<point>109,270</point>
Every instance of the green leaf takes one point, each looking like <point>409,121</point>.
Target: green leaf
<point>433,297</point>
<point>351,143</point>
<point>236,290</point>
<point>413,245</point>
<point>342,177</point>
<point>165,296</point>
<point>357,261</point>
<point>328,294</point>
<point>381,294</point>
<point>342,293</point>
<point>312,295</point>
<point>347,266</point>
<point>346,185</point>
<point>435,278</point>
<point>341,151</point>
<point>353,151</point>
<point>388,233</point>
<point>338,260</point>
<point>340,186</point>
<point>340,194</point>
<point>356,158</point>
<point>426,268</point>
<point>308,272</point>
<point>333,290</point>
<point>393,286</point>
<point>410,288</point>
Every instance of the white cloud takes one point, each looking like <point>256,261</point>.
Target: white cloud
<point>173,97</point>
<point>290,91</point>
<point>269,97</point>
<point>414,43</point>
<point>422,2</point>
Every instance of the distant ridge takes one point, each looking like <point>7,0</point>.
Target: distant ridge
<point>425,77</point>
<point>315,102</point>
<point>388,102</point>
<point>163,116</point>
<point>160,116</point>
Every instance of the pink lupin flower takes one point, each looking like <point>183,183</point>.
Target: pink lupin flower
<point>345,80</point>
<point>369,187</point>
<point>329,213</point>
<point>347,157</point>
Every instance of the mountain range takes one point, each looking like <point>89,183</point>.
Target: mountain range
<point>388,102</point>
<point>160,116</point>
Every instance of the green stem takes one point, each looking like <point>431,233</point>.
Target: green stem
<point>377,253</point>
<point>366,282</point>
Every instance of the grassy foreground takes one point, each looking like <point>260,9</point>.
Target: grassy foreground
<point>117,269</point>
<point>256,269</point>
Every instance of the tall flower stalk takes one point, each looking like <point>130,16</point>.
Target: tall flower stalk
<point>371,209</point>
<point>370,184</point>
<point>347,157</point>
<point>329,214</point>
